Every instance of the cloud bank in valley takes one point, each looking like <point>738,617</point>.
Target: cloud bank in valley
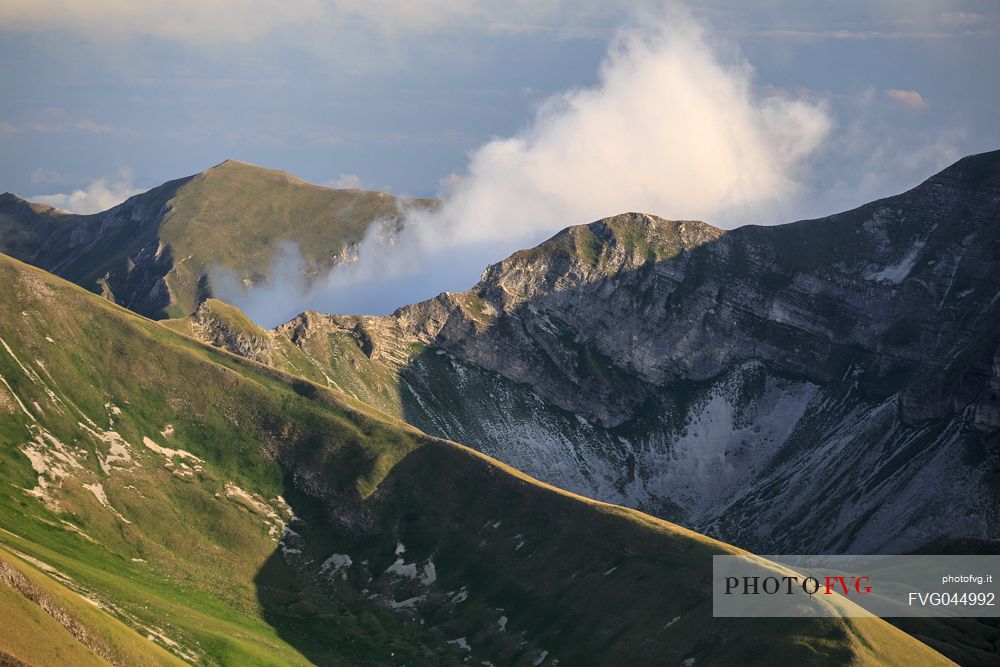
<point>675,126</point>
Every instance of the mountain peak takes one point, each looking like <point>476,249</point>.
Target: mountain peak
<point>641,235</point>
<point>230,163</point>
<point>12,201</point>
<point>240,169</point>
<point>647,222</point>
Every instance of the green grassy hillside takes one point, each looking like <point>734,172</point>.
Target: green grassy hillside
<point>232,514</point>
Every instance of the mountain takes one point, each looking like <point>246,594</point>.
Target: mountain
<point>831,385</point>
<point>155,252</point>
<point>231,513</point>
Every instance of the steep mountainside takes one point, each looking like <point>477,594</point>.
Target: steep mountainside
<point>828,385</point>
<point>153,253</point>
<point>233,514</point>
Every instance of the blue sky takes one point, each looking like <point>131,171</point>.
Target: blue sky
<point>383,96</point>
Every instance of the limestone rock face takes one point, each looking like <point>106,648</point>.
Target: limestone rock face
<point>246,341</point>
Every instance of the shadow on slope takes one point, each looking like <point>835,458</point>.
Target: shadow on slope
<point>480,563</point>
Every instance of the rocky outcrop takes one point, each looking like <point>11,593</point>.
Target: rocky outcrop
<point>235,334</point>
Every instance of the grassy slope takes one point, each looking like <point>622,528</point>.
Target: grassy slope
<point>235,215</point>
<point>31,601</point>
<point>647,236</point>
<point>199,549</point>
<point>187,551</point>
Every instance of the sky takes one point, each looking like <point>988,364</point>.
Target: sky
<point>527,116</point>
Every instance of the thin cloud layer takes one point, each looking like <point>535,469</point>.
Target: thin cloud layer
<point>671,128</point>
<point>244,21</point>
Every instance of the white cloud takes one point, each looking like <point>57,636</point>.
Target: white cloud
<point>908,98</point>
<point>450,181</point>
<point>99,195</point>
<point>672,128</point>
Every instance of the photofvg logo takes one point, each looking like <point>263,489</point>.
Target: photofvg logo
<point>787,584</point>
<point>809,586</point>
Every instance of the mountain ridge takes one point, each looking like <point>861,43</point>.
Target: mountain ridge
<point>159,252</point>
<point>692,372</point>
<point>251,516</point>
